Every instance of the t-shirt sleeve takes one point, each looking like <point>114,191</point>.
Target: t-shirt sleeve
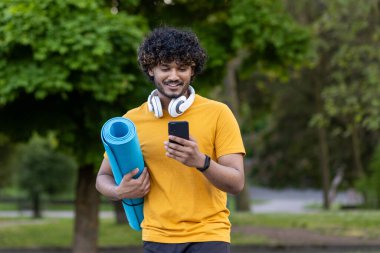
<point>228,138</point>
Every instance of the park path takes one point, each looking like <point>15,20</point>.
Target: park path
<point>270,201</point>
<point>293,200</point>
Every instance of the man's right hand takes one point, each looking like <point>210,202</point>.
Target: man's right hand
<point>134,188</point>
<point>129,187</point>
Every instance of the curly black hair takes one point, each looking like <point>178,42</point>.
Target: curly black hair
<point>167,44</point>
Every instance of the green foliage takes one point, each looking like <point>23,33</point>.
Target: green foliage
<point>268,32</point>
<point>67,66</point>
<point>43,170</point>
<point>352,95</point>
<point>344,77</point>
<point>369,184</point>
<point>349,39</point>
<point>286,147</point>
<point>54,47</point>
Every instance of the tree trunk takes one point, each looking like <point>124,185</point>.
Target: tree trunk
<point>86,211</point>
<point>36,205</point>
<point>120,216</point>
<point>323,147</point>
<point>324,163</point>
<point>230,85</point>
<point>359,171</point>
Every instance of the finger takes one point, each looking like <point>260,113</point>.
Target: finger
<point>180,154</point>
<point>173,151</point>
<point>177,156</point>
<point>176,147</point>
<point>178,140</point>
<point>170,155</point>
<point>130,175</point>
<point>146,183</point>
<point>144,176</point>
<point>172,146</point>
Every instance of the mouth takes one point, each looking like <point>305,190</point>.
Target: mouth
<point>173,84</point>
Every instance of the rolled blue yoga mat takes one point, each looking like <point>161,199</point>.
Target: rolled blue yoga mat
<point>122,146</point>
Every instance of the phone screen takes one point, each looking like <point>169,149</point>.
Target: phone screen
<point>179,128</point>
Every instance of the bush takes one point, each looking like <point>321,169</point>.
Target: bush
<point>369,185</point>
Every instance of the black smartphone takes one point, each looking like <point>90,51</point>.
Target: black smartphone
<point>179,128</point>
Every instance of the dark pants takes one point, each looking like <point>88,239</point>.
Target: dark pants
<point>191,247</point>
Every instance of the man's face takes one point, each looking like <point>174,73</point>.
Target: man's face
<point>172,80</point>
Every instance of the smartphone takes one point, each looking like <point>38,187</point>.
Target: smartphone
<point>179,128</point>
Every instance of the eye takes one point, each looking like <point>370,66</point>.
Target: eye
<point>184,68</point>
<point>163,68</point>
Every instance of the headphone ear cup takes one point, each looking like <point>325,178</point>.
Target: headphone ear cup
<point>174,106</point>
<point>187,102</point>
<point>157,108</point>
<point>150,106</point>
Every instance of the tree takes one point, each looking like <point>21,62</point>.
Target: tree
<point>336,89</point>
<point>352,98</point>
<point>6,173</point>
<point>66,66</point>
<point>42,170</point>
<point>265,39</point>
<point>351,102</point>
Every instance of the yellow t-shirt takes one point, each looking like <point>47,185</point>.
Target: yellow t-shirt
<point>182,205</point>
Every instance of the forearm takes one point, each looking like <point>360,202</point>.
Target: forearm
<point>225,178</point>
<point>105,184</point>
<point>227,173</point>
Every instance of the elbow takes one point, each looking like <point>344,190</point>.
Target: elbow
<point>97,187</point>
<point>236,189</point>
<point>239,185</point>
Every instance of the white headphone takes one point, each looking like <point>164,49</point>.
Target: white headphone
<point>177,106</point>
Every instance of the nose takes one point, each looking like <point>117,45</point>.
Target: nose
<point>173,75</point>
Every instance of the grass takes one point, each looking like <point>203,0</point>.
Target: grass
<point>350,223</point>
<point>12,206</point>
<point>52,232</point>
<point>28,233</point>
<point>8,206</point>
<point>49,232</point>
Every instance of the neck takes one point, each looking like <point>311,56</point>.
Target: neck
<point>166,100</point>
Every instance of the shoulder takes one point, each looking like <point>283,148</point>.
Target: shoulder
<point>137,111</point>
<point>203,101</point>
<point>210,106</point>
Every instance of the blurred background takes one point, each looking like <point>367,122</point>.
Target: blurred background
<point>302,78</point>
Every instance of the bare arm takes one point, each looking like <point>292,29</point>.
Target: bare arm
<point>227,174</point>
<point>128,187</point>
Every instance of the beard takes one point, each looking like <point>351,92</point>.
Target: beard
<point>160,88</point>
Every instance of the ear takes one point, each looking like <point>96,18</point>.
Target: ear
<point>150,72</point>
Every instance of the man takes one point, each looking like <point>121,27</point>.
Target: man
<point>185,184</point>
